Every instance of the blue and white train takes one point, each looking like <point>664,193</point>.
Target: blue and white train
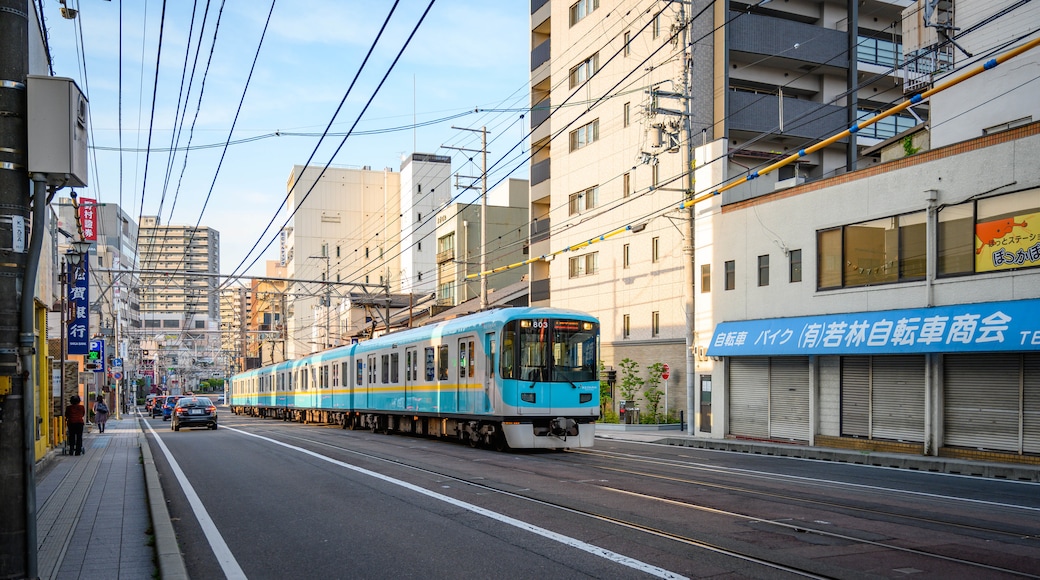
<point>518,377</point>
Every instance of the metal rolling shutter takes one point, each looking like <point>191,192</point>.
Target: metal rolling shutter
<point>789,397</point>
<point>748,397</point>
<point>898,398</point>
<point>1031,419</point>
<point>855,396</point>
<point>981,401</point>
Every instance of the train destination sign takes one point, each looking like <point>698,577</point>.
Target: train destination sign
<point>983,327</point>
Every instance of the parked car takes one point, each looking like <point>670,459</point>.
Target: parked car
<point>167,408</point>
<point>157,405</point>
<point>194,412</point>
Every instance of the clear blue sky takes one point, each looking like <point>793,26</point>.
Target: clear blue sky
<point>467,54</point>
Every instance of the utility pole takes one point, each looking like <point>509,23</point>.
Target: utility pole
<point>689,248</point>
<point>483,208</point>
<point>17,417</point>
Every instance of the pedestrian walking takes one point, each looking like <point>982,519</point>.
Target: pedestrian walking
<point>100,413</point>
<point>75,414</point>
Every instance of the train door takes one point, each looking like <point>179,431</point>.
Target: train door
<point>489,373</point>
<point>467,368</point>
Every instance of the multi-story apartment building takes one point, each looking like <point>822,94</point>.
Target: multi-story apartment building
<point>623,91</point>
<point>181,308</point>
<point>345,229</point>
<point>234,312</point>
<point>425,188</point>
<point>459,243</point>
<point>265,326</point>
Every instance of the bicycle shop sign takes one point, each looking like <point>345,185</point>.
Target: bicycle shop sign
<point>984,327</point>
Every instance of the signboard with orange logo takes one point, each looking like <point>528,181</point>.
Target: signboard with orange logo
<point>1007,243</point>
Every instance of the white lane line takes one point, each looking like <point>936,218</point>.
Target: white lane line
<point>216,542</point>
<point>566,540</point>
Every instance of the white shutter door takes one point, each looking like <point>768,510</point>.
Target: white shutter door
<point>855,396</point>
<point>749,397</point>
<point>982,401</point>
<point>789,397</point>
<point>1031,417</point>
<point>898,398</point>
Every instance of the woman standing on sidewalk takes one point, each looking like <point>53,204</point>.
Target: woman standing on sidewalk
<point>100,413</point>
<point>75,414</point>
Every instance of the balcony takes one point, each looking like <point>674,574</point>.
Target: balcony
<point>540,55</point>
<point>758,113</point>
<point>540,112</point>
<point>539,172</point>
<point>768,36</point>
<point>539,290</point>
<point>539,230</point>
<point>446,256</point>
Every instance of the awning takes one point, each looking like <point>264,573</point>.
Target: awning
<point>984,327</point>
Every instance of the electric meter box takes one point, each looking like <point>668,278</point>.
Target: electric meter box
<point>57,123</point>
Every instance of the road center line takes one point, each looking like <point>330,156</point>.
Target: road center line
<point>566,540</point>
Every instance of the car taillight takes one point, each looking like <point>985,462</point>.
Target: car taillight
<point>182,411</point>
<point>211,409</point>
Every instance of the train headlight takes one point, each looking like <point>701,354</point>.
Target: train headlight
<point>586,326</point>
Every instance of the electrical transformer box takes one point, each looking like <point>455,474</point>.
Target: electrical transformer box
<point>57,123</point>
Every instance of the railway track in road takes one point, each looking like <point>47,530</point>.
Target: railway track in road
<point>799,567</point>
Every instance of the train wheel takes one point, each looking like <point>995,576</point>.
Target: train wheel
<point>499,442</point>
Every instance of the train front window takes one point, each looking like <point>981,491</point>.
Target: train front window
<point>574,351</point>
<point>550,350</point>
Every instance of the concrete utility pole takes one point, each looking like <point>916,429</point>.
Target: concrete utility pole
<point>17,504</point>
<point>689,249</point>
<point>483,208</point>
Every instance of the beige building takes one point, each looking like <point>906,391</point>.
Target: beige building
<point>459,243</point>
<point>621,93</point>
<point>345,230</point>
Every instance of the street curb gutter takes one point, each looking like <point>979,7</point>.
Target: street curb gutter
<point>171,562</point>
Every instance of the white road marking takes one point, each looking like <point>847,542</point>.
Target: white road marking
<point>216,542</point>
<point>566,540</point>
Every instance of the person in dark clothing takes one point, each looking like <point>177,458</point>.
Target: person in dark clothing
<point>75,415</point>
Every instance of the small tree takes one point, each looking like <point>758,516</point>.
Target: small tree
<point>631,382</point>
<point>652,394</point>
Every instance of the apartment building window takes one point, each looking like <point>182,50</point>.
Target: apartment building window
<point>988,234</point>
<point>626,185</point>
<point>584,135</point>
<point>627,115</point>
<point>655,323</point>
<point>653,175</point>
<point>626,326</point>
<point>628,43</point>
<point>624,256</point>
<point>705,278</point>
<point>656,26</point>
<point>655,250</point>
<point>584,70</point>
<point>731,274</point>
<point>763,270</point>
<point>794,260</point>
<point>583,200</point>
<point>584,265</point>
<point>581,9</point>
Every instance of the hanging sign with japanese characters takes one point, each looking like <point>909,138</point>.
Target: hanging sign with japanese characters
<point>78,315</point>
<point>984,327</point>
<point>1008,243</point>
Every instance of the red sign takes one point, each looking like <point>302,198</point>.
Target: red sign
<point>88,218</point>
<point>664,373</point>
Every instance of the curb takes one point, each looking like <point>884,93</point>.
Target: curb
<point>171,562</point>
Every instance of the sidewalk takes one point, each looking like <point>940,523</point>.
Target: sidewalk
<point>93,519</point>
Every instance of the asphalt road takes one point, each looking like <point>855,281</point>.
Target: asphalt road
<point>266,499</point>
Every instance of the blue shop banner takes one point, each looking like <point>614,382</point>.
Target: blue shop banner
<point>984,327</point>
<point>78,329</point>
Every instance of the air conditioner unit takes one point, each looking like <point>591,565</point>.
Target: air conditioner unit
<point>788,183</point>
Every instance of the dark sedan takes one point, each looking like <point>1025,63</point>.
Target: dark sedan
<point>194,412</point>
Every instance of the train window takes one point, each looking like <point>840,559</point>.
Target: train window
<point>574,351</point>
<point>442,363</point>
<point>508,350</point>
<point>462,358</point>
<point>429,363</point>
<point>472,360</point>
<point>346,373</point>
<point>395,361</point>
<point>371,370</point>
<point>325,377</point>
<point>384,376</point>
<point>534,359</point>
<point>360,373</point>
<point>489,365</point>
<point>335,375</point>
